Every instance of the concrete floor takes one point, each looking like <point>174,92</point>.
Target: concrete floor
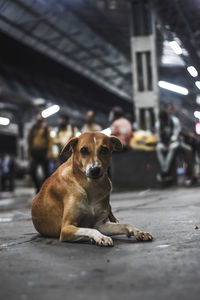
<point>32,267</point>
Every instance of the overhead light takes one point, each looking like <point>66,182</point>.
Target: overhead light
<point>176,47</point>
<point>4,121</point>
<point>197,128</point>
<point>107,131</point>
<point>173,87</point>
<point>39,101</point>
<point>50,111</point>
<point>197,114</point>
<point>53,133</point>
<point>193,72</point>
<point>78,134</point>
<point>198,99</point>
<point>197,84</point>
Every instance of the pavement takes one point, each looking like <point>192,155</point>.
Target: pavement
<point>33,267</point>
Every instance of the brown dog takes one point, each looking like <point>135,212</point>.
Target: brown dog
<point>73,203</point>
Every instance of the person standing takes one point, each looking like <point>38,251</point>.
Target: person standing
<point>64,133</point>
<point>7,172</point>
<point>91,124</point>
<point>39,150</point>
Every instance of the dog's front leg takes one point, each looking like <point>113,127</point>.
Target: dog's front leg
<point>127,229</point>
<point>73,233</point>
<point>111,217</point>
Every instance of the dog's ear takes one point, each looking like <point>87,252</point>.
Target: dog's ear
<point>116,143</point>
<point>70,145</point>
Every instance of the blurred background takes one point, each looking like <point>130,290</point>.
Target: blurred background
<point>75,56</point>
<point>128,68</point>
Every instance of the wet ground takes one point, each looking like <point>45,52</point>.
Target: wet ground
<point>32,267</point>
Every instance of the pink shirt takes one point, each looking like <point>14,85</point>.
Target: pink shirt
<point>122,129</point>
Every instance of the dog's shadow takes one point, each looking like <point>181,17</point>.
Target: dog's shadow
<point>55,241</point>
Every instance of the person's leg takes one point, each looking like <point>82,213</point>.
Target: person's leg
<point>170,155</point>
<point>45,166</point>
<point>161,158</point>
<point>33,172</point>
<point>11,177</point>
<point>3,182</point>
<point>189,158</point>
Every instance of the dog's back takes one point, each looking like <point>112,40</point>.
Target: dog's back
<point>47,206</point>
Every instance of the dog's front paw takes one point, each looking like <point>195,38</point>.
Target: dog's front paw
<point>103,240</point>
<point>143,236</point>
<point>139,235</point>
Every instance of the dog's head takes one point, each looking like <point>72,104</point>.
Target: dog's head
<point>92,151</point>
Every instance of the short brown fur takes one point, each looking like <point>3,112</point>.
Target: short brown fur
<point>73,206</point>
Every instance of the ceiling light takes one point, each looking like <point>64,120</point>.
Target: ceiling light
<point>39,101</point>
<point>4,121</point>
<point>107,131</point>
<point>198,99</point>
<point>193,72</point>
<point>50,111</point>
<point>53,133</point>
<point>175,47</point>
<point>78,134</point>
<point>197,114</point>
<point>197,128</point>
<point>173,87</point>
<point>197,84</point>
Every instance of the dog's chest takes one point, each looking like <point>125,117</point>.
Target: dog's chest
<point>96,192</point>
<point>93,208</point>
<point>91,213</point>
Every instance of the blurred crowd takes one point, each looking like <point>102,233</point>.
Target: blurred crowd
<point>169,140</point>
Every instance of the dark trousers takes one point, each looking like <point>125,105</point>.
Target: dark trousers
<point>39,158</point>
<point>7,181</point>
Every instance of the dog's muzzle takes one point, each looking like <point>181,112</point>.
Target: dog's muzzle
<point>94,172</point>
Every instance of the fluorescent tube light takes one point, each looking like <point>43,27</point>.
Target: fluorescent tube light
<point>50,111</point>
<point>197,128</point>
<point>197,114</point>
<point>173,87</point>
<point>197,84</point>
<point>107,131</point>
<point>4,121</point>
<point>193,72</point>
<point>175,47</point>
<point>39,101</point>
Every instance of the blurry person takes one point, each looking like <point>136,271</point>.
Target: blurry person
<point>121,127</point>
<point>7,172</point>
<point>39,150</point>
<point>168,130</point>
<point>91,124</point>
<point>169,108</point>
<point>64,133</point>
<point>187,146</point>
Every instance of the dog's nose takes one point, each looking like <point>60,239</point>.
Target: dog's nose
<point>95,172</point>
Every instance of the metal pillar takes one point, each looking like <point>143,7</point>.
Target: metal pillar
<point>144,64</point>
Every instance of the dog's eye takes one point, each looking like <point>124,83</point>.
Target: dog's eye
<point>104,150</point>
<point>84,151</point>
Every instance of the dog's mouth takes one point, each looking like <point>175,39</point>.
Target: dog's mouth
<point>95,176</point>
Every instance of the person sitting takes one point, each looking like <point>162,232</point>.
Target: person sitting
<point>167,129</point>
<point>121,127</point>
